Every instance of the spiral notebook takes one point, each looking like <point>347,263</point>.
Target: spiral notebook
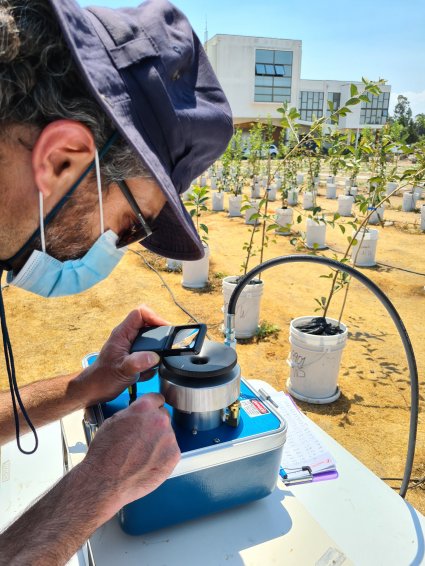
<point>304,457</point>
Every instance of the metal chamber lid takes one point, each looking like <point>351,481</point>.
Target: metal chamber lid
<point>208,381</point>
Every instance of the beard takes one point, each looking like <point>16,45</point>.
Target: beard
<point>70,234</point>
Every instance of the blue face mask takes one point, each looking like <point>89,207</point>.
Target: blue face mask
<point>46,276</point>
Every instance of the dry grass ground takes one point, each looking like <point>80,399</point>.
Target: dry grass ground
<point>371,417</point>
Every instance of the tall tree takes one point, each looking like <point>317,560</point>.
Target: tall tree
<point>402,111</point>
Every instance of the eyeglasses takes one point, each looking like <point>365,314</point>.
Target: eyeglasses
<point>140,229</point>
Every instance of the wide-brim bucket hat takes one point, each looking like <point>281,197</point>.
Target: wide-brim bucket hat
<point>149,72</point>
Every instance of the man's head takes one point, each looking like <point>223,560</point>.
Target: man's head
<point>68,80</point>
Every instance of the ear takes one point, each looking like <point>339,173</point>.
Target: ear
<point>63,150</point>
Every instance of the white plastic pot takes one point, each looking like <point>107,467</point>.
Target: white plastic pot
<point>331,191</point>
<point>284,217</point>
<point>408,202</point>
<point>213,183</point>
<point>308,200</point>
<point>363,253</point>
<point>195,273</point>
<point>314,362</point>
<point>292,197</point>
<point>330,180</point>
<point>418,192</point>
<point>173,264</point>
<point>391,187</point>
<point>423,217</point>
<point>217,201</point>
<point>316,234</point>
<point>300,179</point>
<point>351,191</point>
<point>272,192</point>
<point>256,190</point>
<point>345,205</point>
<point>347,183</point>
<point>186,194</point>
<point>247,307</point>
<point>377,215</point>
<point>203,181</point>
<point>249,212</point>
<point>235,203</point>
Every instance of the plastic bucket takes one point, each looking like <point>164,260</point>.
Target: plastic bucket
<point>253,209</point>
<point>314,363</point>
<point>271,192</point>
<point>235,203</point>
<point>247,307</point>
<point>345,204</point>
<point>174,264</point>
<point>218,201</point>
<point>284,217</point>
<point>292,197</point>
<point>300,179</point>
<point>364,252</point>
<point>316,235</point>
<point>408,202</point>
<point>391,187</point>
<point>377,215</point>
<point>308,200</point>
<point>331,191</point>
<point>423,217</point>
<point>256,190</point>
<point>195,273</point>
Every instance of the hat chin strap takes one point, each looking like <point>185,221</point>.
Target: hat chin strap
<point>13,385</point>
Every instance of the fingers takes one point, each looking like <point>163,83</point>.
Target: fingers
<point>150,317</point>
<point>139,362</point>
<point>148,401</point>
<point>136,319</point>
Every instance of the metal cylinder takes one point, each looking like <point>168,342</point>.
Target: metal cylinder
<point>200,387</point>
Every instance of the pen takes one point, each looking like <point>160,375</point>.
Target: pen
<point>265,395</point>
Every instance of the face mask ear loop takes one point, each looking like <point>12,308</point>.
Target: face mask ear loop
<point>99,190</point>
<point>41,208</point>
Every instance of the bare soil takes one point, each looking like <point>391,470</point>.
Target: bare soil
<point>371,418</point>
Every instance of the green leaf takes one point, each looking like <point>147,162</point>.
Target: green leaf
<point>204,228</point>
<point>352,101</point>
<point>353,90</point>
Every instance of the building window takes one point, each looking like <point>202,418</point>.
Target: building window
<point>311,105</point>
<point>376,110</point>
<point>335,98</point>
<point>273,75</point>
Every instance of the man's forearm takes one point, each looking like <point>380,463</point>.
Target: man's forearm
<point>45,402</point>
<point>59,523</point>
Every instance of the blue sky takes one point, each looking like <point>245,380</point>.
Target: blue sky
<point>341,40</point>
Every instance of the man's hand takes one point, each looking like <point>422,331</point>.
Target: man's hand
<point>115,369</point>
<point>134,451</point>
<point>132,454</point>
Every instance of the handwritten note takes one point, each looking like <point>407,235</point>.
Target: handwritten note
<point>302,447</point>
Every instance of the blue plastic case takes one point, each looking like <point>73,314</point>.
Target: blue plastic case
<point>219,468</point>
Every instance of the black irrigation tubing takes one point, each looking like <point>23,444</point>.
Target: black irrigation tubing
<point>410,355</point>
<point>181,307</point>
<point>386,264</point>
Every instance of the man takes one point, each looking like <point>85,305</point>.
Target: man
<point>105,117</point>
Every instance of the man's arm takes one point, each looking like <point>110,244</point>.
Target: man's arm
<point>114,370</point>
<point>130,456</point>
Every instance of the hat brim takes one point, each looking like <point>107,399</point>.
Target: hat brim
<point>175,235</point>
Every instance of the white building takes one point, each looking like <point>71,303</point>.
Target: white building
<point>259,73</point>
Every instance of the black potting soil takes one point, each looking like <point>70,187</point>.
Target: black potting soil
<point>320,327</point>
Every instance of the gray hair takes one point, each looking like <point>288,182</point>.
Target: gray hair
<point>40,83</point>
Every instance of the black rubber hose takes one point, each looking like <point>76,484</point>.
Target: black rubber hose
<point>413,371</point>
